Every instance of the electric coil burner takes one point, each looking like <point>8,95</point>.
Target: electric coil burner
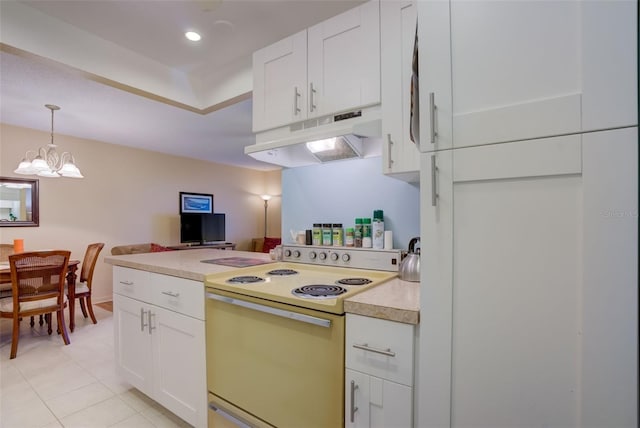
<point>282,272</point>
<point>246,279</point>
<point>354,281</point>
<point>318,291</point>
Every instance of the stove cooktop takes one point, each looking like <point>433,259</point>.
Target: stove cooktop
<point>277,283</point>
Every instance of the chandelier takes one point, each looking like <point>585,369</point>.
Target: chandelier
<point>46,162</point>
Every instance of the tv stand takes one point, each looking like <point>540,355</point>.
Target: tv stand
<point>208,245</point>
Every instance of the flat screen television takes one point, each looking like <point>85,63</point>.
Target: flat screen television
<point>202,228</point>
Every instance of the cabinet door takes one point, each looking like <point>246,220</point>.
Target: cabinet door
<point>515,70</point>
<point>280,82</point>
<point>434,366</point>
<point>132,342</point>
<point>376,402</point>
<point>344,61</point>
<point>179,365</point>
<point>540,278</point>
<point>434,58</point>
<point>356,395</point>
<point>524,70</point>
<point>397,30</point>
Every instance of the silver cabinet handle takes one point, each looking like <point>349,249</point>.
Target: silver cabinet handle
<point>126,282</point>
<point>312,91</point>
<point>432,117</point>
<point>296,95</point>
<point>365,347</point>
<point>150,325</point>
<point>389,150</point>
<point>170,293</point>
<point>142,324</point>
<point>353,409</point>
<point>273,311</point>
<point>434,192</point>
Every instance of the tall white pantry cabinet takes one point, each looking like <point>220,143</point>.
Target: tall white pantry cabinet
<point>529,214</point>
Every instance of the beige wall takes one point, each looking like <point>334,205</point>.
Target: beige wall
<point>130,196</point>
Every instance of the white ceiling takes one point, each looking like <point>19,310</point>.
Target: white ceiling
<point>123,73</point>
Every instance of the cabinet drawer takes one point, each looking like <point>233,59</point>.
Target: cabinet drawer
<point>380,348</point>
<point>132,283</point>
<point>181,295</point>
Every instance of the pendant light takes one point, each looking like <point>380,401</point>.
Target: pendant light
<point>46,162</point>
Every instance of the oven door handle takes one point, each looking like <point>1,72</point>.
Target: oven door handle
<point>273,311</point>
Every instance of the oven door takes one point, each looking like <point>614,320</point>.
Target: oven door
<point>279,363</point>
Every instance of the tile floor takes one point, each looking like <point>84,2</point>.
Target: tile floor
<point>52,385</point>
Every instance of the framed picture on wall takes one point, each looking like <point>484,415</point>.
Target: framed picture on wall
<point>196,203</point>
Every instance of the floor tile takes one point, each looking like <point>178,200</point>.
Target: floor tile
<point>135,421</point>
<point>78,399</point>
<point>30,413</point>
<point>103,414</point>
<point>65,377</point>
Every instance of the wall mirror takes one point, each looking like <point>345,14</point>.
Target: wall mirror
<point>18,202</point>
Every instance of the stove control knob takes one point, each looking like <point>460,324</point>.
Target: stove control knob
<point>346,257</point>
<point>312,255</point>
<point>287,253</point>
<point>323,256</point>
<point>296,254</point>
<point>334,257</point>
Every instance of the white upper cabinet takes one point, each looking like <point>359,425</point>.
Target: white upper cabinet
<point>398,30</point>
<point>344,61</point>
<point>526,69</point>
<point>279,83</point>
<point>329,68</point>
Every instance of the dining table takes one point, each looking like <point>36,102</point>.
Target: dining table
<point>72,268</point>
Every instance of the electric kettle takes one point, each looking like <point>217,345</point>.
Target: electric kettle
<point>409,269</point>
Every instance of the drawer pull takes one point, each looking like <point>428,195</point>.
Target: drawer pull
<point>171,294</point>
<point>126,282</point>
<point>388,352</point>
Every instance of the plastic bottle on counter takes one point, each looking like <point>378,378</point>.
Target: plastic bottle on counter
<point>326,234</point>
<point>377,230</point>
<point>357,234</point>
<point>349,237</point>
<point>338,235</point>
<point>366,233</point>
<point>317,234</point>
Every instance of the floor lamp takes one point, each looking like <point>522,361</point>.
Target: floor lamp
<point>265,198</point>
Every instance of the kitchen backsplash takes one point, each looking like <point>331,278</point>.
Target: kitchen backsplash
<point>339,192</point>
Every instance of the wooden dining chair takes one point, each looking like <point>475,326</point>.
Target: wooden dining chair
<point>5,251</point>
<point>37,288</point>
<point>83,288</point>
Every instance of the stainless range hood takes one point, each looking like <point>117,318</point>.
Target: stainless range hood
<point>356,135</point>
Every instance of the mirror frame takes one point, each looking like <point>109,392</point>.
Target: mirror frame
<point>35,203</point>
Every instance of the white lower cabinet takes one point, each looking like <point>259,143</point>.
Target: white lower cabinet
<point>160,351</point>
<point>529,296</point>
<point>379,373</point>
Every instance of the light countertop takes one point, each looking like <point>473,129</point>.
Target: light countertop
<point>394,300</point>
<point>184,263</point>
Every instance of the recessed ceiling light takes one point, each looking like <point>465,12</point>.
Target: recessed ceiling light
<point>192,35</point>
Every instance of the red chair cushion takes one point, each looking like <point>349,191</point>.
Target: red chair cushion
<point>270,244</point>
<point>155,248</point>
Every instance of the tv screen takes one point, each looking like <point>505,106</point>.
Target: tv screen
<point>191,228</point>
<point>202,228</point>
<point>213,227</point>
